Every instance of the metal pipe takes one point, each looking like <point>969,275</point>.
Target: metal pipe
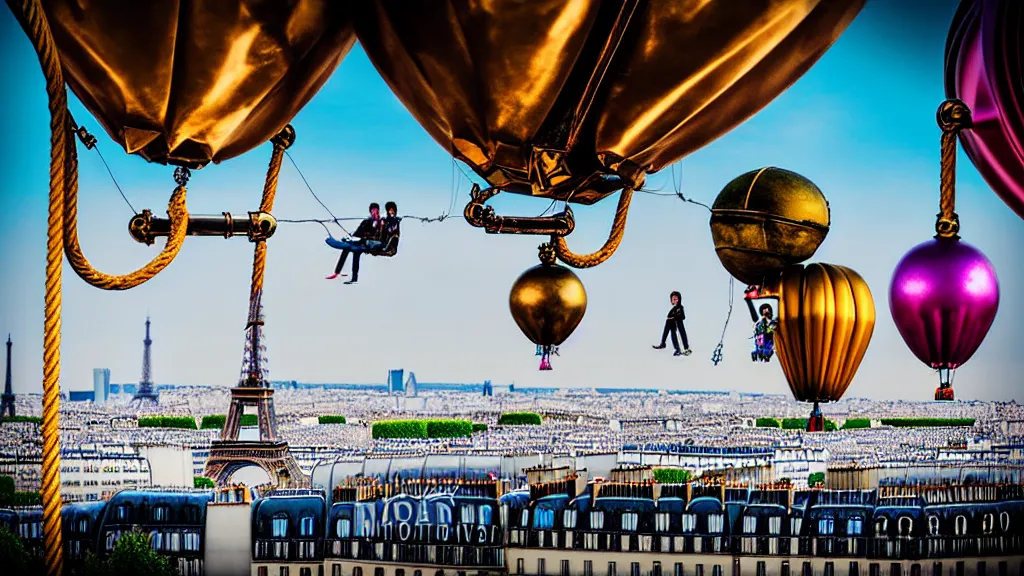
<point>145,228</point>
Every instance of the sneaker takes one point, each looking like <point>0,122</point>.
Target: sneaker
<point>687,352</point>
<point>677,353</point>
<point>659,347</point>
<point>353,281</point>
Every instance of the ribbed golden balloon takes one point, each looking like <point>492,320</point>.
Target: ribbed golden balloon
<point>548,302</point>
<point>766,220</point>
<point>187,83</point>
<point>826,319</point>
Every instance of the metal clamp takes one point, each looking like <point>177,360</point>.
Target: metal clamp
<point>480,215</point>
<point>258,227</point>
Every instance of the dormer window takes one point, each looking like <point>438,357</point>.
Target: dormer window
<point>750,524</point>
<point>882,527</point>
<point>905,525</point>
<point>543,519</point>
<point>630,521</point>
<point>485,515</point>
<point>160,513</point>
<point>569,519</point>
<point>524,518</point>
<point>960,525</point>
<point>775,525</point>
<point>343,528</point>
<point>306,526</point>
<point>1004,521</point>
<point>988,523</point>
<point>933,525</point>
<point>279,526</point>
<point>826,526</point>
<point>689,522</point>
<point>597,520</point>
<point>123,512</point>
<point>716,523</point>
<point>468,513</point>
<point>854,526</point>
<point>662,521</point>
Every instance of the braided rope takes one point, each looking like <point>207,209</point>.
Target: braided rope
<point>259,258</point>
<point>611,244</point>
<point>952,117</point>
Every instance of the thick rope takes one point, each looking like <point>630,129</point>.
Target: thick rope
<point>259,259</point>
<point>952,117</point>
<point>30,15</point>
<point>610,245</point>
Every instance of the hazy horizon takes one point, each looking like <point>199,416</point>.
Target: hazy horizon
<point>860,124</point>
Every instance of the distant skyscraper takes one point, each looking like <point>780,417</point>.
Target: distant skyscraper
<point>7,404</point>
<point>101,385</point>
<point>395,382</point>
<point>145,393</point>
<point>410,385</point>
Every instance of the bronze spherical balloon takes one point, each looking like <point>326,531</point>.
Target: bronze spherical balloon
<point>548,302</point>
<point>766,220</point>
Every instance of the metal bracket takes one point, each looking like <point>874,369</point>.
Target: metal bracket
<point>480,215</point>
<point>258,226</point>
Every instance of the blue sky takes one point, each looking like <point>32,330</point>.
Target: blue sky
<point>860,124</point>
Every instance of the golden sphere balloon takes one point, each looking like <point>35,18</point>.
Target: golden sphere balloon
<point>825,322</point>
<point>548,302</point>
<point>766,220</point>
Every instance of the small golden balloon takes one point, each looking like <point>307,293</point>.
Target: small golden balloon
<point>548,301</point>
<point>766,220</point>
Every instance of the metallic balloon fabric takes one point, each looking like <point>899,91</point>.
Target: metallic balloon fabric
<point>575,99</point>
<point>766,220</point>
<point>187,83</point>
<point>826,319</point>
<point>944,297</point>
<point>984,69</point>
<point>548,302</point>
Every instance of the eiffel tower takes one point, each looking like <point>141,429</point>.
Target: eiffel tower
<point>7,404</point>
<point>229,454</point>
<point>146,394</point>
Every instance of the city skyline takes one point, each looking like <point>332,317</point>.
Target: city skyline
<point>863,132</point>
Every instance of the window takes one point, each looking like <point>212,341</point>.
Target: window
<point>588,568</point>
<point>933,525</point>
<point>882,527</point>
<point>656,569</point>
<point>629,521</point>
<point>279,526</point>
<point>306,526</point>
<point>960,525</point>
<point>678,569</point>
<point>378,571</point>
<point>716,522</point>
<point>854,526</point>
<point>775,525</point>
<point>854,569</point>
<point>160,513</point>
<point>826,526</point>
<point>905,525</point>
<point>343,528</point>
<point>761,568</point>
<point>468,514</point>
<point>988,522</point>
<point>357,571</point>
<point>716,570</point>
<point>565,568</point>
<point>597,520</point>
<point>895,569</point>
<point>634,569</point>
<point>486,514</point>
<point>689,522</point>
<point>305,571</point>
<point>807,569</point>
<point>543,519</point>
<point>915,570</point>
<point>830,569</point>
<point>261,571</point>
<point>519,566</point>
<point>874,569</point>
<point>284,571</point>
<point>399,571</point>
<point>1004,521</point>
<point>541,569</point>
<point>569,519</point>
<point>524,519</point>
<point>784,569</point>
<point>192,541</point>
<point>662,521</point>
<point>937,569</point>
<point>335,570</point>
<point>981,569</point>
<point>750,524</point>
<point>83,525</point>
<point>611,569</point>
<point>698,570</point>
<point>123,512</point>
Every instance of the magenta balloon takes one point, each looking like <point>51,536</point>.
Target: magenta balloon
<point>984,67</point>
<point>943,297</point>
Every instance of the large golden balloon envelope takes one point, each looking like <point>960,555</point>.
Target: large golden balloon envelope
<point>574,100</point>
<point>826,319</point>
<point>766,220</point>
<point>187,83</point>
<point>548,302</point>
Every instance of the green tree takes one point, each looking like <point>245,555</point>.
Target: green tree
<point>13,556</point>
<point>816,479</point>
<point>132,554</point>
<point>202,482</point>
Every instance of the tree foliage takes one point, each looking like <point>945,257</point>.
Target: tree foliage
<point>422,429</point>
<point>202,482</point>
<point>801,424</point>
<point>10,497</point>
<point>21,419</point>
<point>672,476</point>
<point>184,422</point>
<point>816,479</point>
<point>14,558</point>
<point>520,419</point>
<point>768,423</point>
<point>332,419</point>
<point>216,421</point>
<point>855,423</point>
<point>479,427</point>
<point>133,554</point>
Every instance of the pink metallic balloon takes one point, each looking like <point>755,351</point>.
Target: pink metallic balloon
<point>984,67</point>
<point>943,297</point>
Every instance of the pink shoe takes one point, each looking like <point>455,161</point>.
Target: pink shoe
<point>333,276</point>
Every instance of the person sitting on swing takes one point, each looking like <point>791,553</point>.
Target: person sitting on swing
<point>367,237</point>
<point>764,335</point>
<point>673,323</point>
<point>391,226</point>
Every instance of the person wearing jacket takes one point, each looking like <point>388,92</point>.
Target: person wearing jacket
<point>673,324</point>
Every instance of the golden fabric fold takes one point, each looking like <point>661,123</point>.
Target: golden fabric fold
<point>575,99</point>
<point>826,319</point>
<point>190,82</point>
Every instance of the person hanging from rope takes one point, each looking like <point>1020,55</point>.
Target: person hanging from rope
<point>674,323</point>
<point>367,237</point>
<point>764,333</point>
<point>391,230</point>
